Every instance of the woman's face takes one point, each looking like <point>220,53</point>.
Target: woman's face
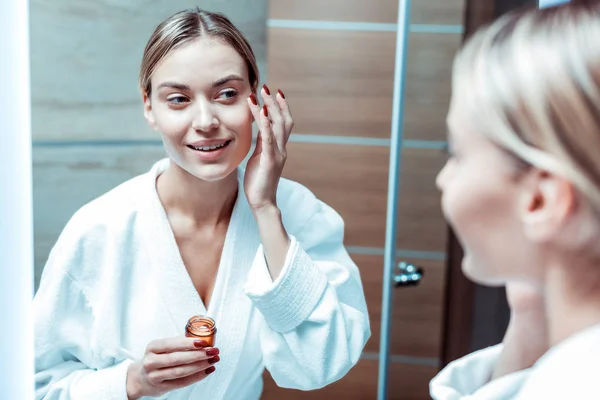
<point>481,199</point>
<point>198,103</point>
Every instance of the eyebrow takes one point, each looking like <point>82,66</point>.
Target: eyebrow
<point>183,87</point>
<point>173,85</point>
<point>226,79</point>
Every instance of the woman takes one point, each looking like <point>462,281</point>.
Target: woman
<point>522,191</point>
<point>198,235</point>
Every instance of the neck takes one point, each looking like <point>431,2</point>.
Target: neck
<point>203,202</point>
<point>572,298</point>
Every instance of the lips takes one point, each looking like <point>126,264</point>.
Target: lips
<point>209,146</point>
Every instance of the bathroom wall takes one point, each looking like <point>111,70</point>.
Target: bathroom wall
<point>89,133</point>
<point>335,62</point>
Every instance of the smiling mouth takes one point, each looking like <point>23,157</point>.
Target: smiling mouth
<point>208,149</point>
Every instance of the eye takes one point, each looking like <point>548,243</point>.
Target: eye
<point>177,100</point>
<point>228,94</point>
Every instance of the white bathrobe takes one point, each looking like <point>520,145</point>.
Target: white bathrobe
<point>115,281</point>
<point>570,370</point>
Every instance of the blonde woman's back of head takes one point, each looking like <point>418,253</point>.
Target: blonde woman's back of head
<point>531,83</point>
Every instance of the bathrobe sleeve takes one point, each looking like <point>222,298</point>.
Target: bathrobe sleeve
<point>66,367</point>
<point>316,321</point>
<point>468,378</point>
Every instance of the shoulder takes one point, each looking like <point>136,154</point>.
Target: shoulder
<point>568,370</point>
<point>106,217</point>
<point>300,206</point>
<point>295,198</point>
<point>93,229</point>
<point>113,207</point>
<point>291,193</point>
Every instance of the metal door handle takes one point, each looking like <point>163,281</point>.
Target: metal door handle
<point>410,275</point>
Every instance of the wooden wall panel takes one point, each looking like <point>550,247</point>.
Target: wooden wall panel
<point>337,82</point>
<point>407,382</point>
<point>446,12</point>
<point>416,311</point>
<point>428,84</point>
<point>353,180</point>
<point>341,82</point>
<point>384,11</point>
<point>421,223</point>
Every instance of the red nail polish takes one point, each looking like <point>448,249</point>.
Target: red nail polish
<point>281,93</point>
<point>200,343</point>
<point>210,370</point>
<point>214,359</point>
<point>253,99</point>
<point>265,111</point>
<point>212,352</point>
<point>266,89</point>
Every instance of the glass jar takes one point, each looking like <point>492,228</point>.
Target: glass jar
<point>202,328</point>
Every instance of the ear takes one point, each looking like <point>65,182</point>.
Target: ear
<point>546,204</point>
<point>148,112</point>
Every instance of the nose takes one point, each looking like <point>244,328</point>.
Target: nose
<point>205,118</point>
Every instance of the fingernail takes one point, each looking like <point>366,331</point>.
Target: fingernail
<point>281,93</point>
<point>200,343</point>
<point>212,351</point>
<point>253,99</point>
<point>209,370</point>
<point>214,359</point>
<point>266,89</point>
<point>265,111</point>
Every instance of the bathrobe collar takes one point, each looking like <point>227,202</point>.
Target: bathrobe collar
<point>229,306</point>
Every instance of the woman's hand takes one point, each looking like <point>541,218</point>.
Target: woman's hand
<point>170,364</point>
<point>266,163</point>
<point>264,171</point>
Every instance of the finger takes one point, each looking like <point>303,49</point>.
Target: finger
<point>188,380</point>
<point>168,360</point>
<point>267,139</point>
<point>182,371</point>
<point>275,116</point>
<point>254,106</point>
<point>179,343</point>
<point>258,147</point>
<point>285,112</point>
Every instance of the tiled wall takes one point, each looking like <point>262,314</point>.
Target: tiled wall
<point>85,58</point>
<point>335,62</point>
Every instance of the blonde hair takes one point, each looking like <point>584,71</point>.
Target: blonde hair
<point>531,82</point>
<point>185,27</point>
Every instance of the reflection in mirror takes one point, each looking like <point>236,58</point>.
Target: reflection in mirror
<point>94,131</point>
<point>171,257</point>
